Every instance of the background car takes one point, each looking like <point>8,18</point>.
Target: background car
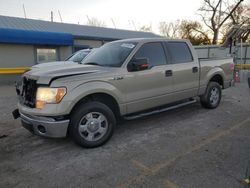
<point>79,55</point>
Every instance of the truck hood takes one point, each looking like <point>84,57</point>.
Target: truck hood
<point>46,74</point>
<point>51,64</point>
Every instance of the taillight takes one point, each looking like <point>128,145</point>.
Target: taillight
<point>231,66</point>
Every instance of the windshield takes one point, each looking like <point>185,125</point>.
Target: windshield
<point>110,54</point>
<point>78,56</point>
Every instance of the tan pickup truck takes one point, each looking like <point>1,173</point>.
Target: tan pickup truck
<point>125,78</point>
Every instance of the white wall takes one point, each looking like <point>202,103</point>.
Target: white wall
<point>16,55</point>
<point>91,43</point>
<point>64,52</point>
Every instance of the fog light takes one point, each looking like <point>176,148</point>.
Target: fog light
<point>41,129</point>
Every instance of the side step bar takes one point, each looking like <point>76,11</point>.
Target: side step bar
<point>159,110</point>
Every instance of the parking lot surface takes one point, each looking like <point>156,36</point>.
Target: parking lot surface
<point>186,147</point>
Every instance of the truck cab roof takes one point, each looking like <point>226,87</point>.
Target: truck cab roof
<point>143,40</point>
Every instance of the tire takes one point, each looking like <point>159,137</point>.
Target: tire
<point>211,99</point>
<point>92,124</point>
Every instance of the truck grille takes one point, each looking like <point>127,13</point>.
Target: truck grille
<point>27,92</point>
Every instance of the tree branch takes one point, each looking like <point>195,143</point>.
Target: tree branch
<point>213,23</point>
<point>231,12</point>
<point>201,32</point>
<point>205,22</point>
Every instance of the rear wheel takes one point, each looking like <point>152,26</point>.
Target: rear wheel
<point>92,124</point>
<point>211,99</point>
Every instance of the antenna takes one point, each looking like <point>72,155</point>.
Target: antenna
<point>113,22</point>
<point>51,14</point>
<point>24,12</point>
<point>130,24</point>
<point>88,18</point>
<point>60,15</point>
<point>134,25</point>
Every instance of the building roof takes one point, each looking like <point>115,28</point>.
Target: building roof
<point>78,31</point>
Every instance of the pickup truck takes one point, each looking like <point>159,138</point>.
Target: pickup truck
<point>123,78</point>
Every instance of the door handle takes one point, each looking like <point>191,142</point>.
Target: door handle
<point>168,73</point>
<point>195,69</point>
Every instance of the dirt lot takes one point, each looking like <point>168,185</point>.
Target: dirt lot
<point>185,147</point>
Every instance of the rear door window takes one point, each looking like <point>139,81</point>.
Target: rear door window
<point>179,51</point>
<point>154,52</point>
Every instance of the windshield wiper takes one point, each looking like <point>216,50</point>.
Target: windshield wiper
<point>92,63</point>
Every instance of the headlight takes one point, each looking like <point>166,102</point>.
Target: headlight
<point>49,95</point>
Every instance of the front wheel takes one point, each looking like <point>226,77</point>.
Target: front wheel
<point>211,99</point>
<point>92,124</point>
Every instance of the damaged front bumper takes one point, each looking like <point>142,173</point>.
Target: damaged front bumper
<point>43,126</point>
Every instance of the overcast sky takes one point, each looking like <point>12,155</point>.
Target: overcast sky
<point>123,12</point>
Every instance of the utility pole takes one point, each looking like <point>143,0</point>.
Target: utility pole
<point>59,13</point>
<point>113,22</point>
<point>88,18</point>
<point>217,34</point>
<point>134,25</point>
<point>51,15</point>
<point>24,12</point>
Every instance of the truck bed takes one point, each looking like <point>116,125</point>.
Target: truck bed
<point>215,64</point>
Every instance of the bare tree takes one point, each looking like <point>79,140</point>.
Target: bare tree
<point>95,22</point>
<point>146,28</point>
<point>241,16</point>
<point>193,31</point>
<point>169,29</point>
<point>214,15</point>
<point>185,29</point>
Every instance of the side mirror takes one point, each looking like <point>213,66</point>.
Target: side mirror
<point>138,64</point>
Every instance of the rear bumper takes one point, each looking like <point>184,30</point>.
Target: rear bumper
<point>44,126</point>
<point>228,84</point>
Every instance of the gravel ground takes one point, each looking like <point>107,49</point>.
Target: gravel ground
<point>186,147</point>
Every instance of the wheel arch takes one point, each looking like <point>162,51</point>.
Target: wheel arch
<point>102,97</point>
<point>216,75</point>
<point>218,79</point>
